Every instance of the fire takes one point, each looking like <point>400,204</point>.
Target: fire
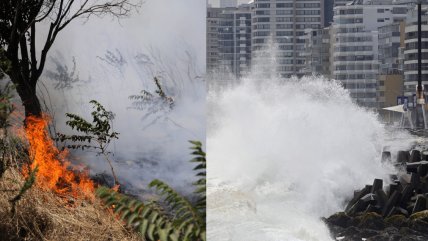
<point>54,169</point>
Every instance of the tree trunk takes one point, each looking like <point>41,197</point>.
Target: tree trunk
<point>27,93</point>
<point>30,101</point>
<point>25,81</point>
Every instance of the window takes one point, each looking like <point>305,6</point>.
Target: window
<point>263,5</point>
<point>259,41</point>
<point>262,12</point>
<point>262,20</point>
<point>284,12</point>
<point>284,5</point>
<point>398,10</point>
<point>284,33</point>
<point>380,10</point>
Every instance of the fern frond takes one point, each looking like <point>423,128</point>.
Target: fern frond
<point>186,217</point>
<point>184,222</point>
<point>148,219</point>
<point>201,183</point>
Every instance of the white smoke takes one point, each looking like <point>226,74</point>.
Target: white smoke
<point>284,153</point>
<point>109,61</point>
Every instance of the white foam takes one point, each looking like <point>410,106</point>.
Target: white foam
<point>283,154</point>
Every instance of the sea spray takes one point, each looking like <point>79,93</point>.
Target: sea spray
<point>285,152</point>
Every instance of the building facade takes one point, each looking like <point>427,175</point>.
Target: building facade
<point>411,52</point>
<point>212,51</point>
<point>391,43</point>
<point>317,52</point>
<point>235,40</point>
<point>356,57</point>
<point>229,40</point>
<point>329,5</point>
<point>283,22</point>
<point>391,63</point>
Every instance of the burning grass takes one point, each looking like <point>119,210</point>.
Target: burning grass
<point>43,215</point>
<point>53,167</point>
<point>60,205</point>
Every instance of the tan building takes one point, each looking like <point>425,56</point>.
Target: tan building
<point>391,78</point>
<point>390,86</point>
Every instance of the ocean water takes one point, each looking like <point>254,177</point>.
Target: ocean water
<point>285,152</point>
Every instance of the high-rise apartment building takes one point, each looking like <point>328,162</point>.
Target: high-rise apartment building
<point>317,52</point>
<point>391,41</point>
<point>411,52</point>
<point>391,46</point>
<point>212,51</point>
<point>229,40</point>
<point>329,5</point>
<point>355,58</point>
<point>284,22</point>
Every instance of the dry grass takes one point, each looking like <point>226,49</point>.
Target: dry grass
<point>42,215</point>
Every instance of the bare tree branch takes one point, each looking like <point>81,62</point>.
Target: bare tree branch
<point>19,20</point>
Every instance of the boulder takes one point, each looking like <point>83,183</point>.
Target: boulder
<point>392,188</point>
<point>371,220</point>
<point>423,169</point>
<point>357,196</point>
<point>422,215</point>
<point>340,219</point>
<point>419,225</point>
<point>420,204</point>
<point>386,157</point>
<point>398,211</point>
<point>406,194</point>
<point>377,185</point>
<point>381,198</point>
<point>397,220</point>
<point>373,209</point>
<point>359,206</point>
<point>403,157</point>
<point>415,167</point>
<point>354,233</point>
<point>388,234</point>
<point>392,201</point>
<point>410,234</point>
<point>415,156</point>
<point>424,155</point>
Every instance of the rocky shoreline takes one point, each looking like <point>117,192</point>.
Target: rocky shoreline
<point>398,211</point>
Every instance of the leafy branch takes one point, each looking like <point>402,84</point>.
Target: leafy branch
<point>153,103</point>
<point>96,135</point>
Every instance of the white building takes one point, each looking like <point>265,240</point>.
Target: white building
<point>213,21</point>
<point>411,52</point>
<point>285,21</point>
<point>317,52</point>
<point>355,54</point>
<point>229,40</point>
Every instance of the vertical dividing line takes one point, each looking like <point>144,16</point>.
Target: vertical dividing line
<point>419,48</point>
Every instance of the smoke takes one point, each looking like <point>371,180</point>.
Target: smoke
<point>109,60</point>
<point>284,153</point>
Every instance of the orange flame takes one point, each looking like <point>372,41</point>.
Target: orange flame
<point>54,173</point>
